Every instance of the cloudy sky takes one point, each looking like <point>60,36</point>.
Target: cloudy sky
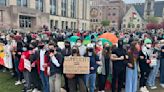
<point>137,1</point>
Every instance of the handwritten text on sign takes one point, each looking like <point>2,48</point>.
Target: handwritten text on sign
<point>76,65</point>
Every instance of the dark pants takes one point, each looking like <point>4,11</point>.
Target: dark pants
<point>144,71</point>
<point>66,83</point>
<point>76,83</point>
<point>27,78</point>
<point>117,76</point>
<point>45,81</point>
<point>102,81</point>
<point>36,79</point>
<point>162,71</point>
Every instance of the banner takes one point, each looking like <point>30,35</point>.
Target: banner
<point>27,65</point>
<point>76,65</point>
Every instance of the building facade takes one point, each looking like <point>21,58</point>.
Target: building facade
<point>33,14</point>
<point>144,11</point>
<point>111,10</point>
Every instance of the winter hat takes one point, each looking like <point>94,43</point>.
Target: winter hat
<point>147,41</point>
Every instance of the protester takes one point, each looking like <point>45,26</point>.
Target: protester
<point>118,57</point>
<point>132,68</point>
<point>90,79</point>
<point>105,68</point>
<point>144,61</point>
<point>56,61</point>
<point>162,65</point>
<point>155,64</point>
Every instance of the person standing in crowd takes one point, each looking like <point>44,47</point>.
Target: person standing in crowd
<point>76,81</point>
<point>162,64</point>
<point>42,65</point>
<point>155,64</point>
<point>132,68</point>
<point>82,48</point>
<point>66,52</point>
<point>56,62</point>
<point>90,79</point>
<point>144,61</point>
<point>35,79</point>
<point>26,73</point>
<point>105,68</point>
<point>118,56</point>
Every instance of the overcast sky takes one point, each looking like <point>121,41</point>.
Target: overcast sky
<point>137,1</point>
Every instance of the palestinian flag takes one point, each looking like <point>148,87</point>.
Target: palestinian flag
<point>2,54</point>
<point>134,15</point>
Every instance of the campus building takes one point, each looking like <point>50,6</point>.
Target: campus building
<point>138,14</point>
<point>33,14</point>
<point>111,10</point>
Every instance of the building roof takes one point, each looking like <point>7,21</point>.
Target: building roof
<point>140,9</point>
<point>158,8</point>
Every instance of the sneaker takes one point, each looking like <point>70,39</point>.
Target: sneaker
<point>153,87</point>
<point>29,90</point>
<point>145,88</point>
<point>17,83</point>
<point>23,81</point>
<point>34,90</point>
<point>142,89</point>
<point>162,85</point>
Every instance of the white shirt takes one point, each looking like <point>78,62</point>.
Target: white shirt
<point>42,52</point>
<point>55,61</point>
<point>82,50</point>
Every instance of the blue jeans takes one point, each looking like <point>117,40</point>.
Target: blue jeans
<point>90,80</point>
<point>131,79</point>
<point>45,81</point>
<point>153,73</point>
<point>162,71</point>
<point>18,73</point>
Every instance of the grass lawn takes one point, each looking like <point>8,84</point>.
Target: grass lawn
<point>7,83</point>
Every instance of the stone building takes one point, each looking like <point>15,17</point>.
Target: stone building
<point>33,14</point>
<point>112,10</point>
<point>143,11</point>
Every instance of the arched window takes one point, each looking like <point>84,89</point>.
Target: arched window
<point>138,25</point>
<point>129,25</point>
<point>133,26</point>
<point>124,26</point>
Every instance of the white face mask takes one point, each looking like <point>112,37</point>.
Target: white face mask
<point>89,53</point>
<point>78,44</point>
<point>148,46</point>
<point>24,49</point>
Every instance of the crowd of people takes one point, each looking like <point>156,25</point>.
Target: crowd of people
<point>137,58</point>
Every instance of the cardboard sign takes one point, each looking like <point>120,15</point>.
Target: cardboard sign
<point>76,65</point>
<point>27,65</point>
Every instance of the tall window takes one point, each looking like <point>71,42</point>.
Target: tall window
<point>64,8</point>
<point>73,8</point>
<point>148,8</point>
<point>3,2</point>
<point>39,5</point>
<point>25,21</point>
<point>53,10</point>
<point>83,14</point>
<point>23,3</point>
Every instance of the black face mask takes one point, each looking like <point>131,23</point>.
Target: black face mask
<point>90,49</point>
<point>51,50</point>
<point>74,51</point>
<point>67,46</point>
<point>30,48</point>
<point>107,48</point>
<point>41,46</point>
<point>120,44</point>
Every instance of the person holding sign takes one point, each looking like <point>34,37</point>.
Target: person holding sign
<point>76,80</point>
<point>94,63</point>
<point>25,67</point>
<point>56,62</point>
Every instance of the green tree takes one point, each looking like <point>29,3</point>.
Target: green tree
<point>105,23</point>
<point>152,19</point>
